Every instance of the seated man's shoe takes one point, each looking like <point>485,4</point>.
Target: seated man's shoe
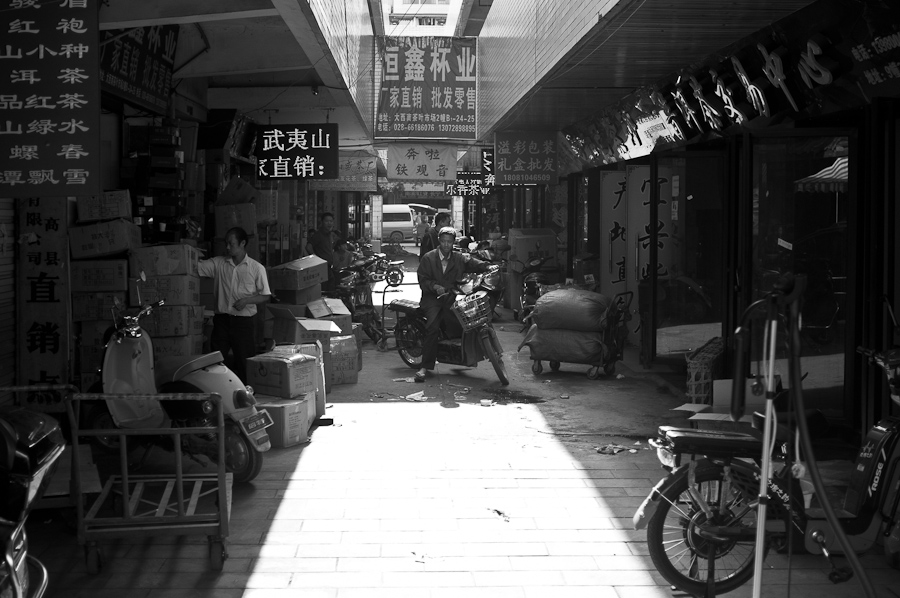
<point>420,375</point>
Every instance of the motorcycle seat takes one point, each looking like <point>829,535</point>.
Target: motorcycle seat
<point>405,306</point>
<point>712,443</point>
<point>173,369</point>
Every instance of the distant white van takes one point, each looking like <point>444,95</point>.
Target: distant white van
<point>398,223</point>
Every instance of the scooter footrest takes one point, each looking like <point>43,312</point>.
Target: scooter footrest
<point>712,443</point>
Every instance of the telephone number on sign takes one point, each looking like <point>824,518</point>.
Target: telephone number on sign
<point>414,127</point>
<point>459,128</point>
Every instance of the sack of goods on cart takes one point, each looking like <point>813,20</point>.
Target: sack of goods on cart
<point>568,327</point>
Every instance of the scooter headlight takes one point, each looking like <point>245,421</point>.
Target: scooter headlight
<point>244,398</point>
<point>207,407</point>
<point>665,456</point>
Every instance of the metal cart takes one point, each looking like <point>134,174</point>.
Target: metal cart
<point>143,505</point>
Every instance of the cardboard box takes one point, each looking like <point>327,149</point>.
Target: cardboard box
<point>298,274</point>
<point>96,306</point>
<point>291,422</point>
<point>108,205</point>
<point>103,238</point>
<point>99,275</point>
<point>174,320</point>
<point>178,289</point>
<point>180,346</point>
<point>230,216</point>
<point>717,416</point>
<point>334,310</point>
<point>299,296</point>
<point>288,327</point>
<point>282,375</point>
<point>343,360</point>
<point>313,350</point>
<point>164,260</point>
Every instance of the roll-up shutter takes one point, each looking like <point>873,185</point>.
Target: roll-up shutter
<point>7,297</point>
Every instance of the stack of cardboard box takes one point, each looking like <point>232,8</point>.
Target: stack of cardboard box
<point>99,272</point>
<point>169,273</point>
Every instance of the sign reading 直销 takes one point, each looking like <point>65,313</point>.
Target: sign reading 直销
<point>297,151</point>
<point>136,64</point>
<point>49,99</point>
<point>526,158</point>
<point>428,88</point>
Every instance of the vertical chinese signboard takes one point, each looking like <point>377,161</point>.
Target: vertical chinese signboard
<point>525,158</point>
<point>428,88</point>
<point>136,65</point>
<point>297,151</point>
<point>43,308</point>
<point>49,99</point>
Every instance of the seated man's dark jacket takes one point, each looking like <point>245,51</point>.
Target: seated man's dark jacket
<point>430,274</point>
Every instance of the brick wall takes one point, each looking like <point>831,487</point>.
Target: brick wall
<point>521,41</point>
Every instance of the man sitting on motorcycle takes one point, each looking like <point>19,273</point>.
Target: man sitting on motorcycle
<point>438,272</point>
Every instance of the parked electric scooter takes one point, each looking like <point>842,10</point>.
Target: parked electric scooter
<point>532,279</point>
<point>703,520</point>
<point>30,447</point>
<point>471,306</point>
<point>129,367</point>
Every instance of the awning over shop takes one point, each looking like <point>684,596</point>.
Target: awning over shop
<point>833,178</point>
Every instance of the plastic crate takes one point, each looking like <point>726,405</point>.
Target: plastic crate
<point>472,310</point>
<point>703,367</point>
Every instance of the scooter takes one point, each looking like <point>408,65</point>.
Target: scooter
<point>129,367</point>
<point>703,520</point>
<point>532,280</point>
<point>484,253</point>
<point>469,302</point>
<point>354,288</point>
<point>31,444</point>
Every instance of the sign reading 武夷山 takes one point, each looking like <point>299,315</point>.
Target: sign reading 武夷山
<point>525,158</point>
<point>49,99</point>
<point>428,88</point>
<point>297,151</point>
<point>136,65</point>
<point>421,162</point>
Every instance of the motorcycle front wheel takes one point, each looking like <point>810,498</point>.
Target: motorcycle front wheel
<point>496,359</point>
<point>410,335</point>
<point>241,459</point>
<point>681,554</point>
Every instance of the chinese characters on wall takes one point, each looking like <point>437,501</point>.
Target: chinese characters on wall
<point>136,64</point>
<point>428,88</point>
<point>43,299</point>
<point>297,151</point>
<point>525,158</point>
<point>49,99</point>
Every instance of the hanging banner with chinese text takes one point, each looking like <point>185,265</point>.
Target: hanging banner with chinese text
<point>467,184</point>
<point>428,88</point>
<point>487,167</point>
<point>356,173</point>
<point>50,99</point>
<point>527,158</point>
<point>137,65</point>
<point>421,162</point>
<point>43,300</point>
<point>297,151</point>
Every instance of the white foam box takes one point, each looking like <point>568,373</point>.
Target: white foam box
<point>164,260</point>
<point>99,275</point>
<point>334,310</point>
<point>298,274</point>
<point>177,289</point>
<point>106,206</point>
<point>290,421</point>
<point>282,375</point>
<point>344,359</point>
<point>171,346</point>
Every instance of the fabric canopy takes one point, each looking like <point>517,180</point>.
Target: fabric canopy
<point>832,178</point>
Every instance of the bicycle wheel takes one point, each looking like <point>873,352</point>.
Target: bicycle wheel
<point>678,551</point>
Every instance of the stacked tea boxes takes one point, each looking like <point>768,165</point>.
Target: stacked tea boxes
<point>169,273</point>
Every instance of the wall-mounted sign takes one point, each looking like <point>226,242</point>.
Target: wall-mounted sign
<point>136,64</point>
<point>297,151</point>
<point>421,162</point>
<point>49,99</point>
<point>356,173</point>
<point>467,184</point>
<point>525,158</point>
<point>487,167</point>
<point>428,88</point>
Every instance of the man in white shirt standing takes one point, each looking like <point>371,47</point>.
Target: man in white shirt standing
<point>240,285</point>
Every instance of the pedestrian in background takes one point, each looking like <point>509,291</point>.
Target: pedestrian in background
<point>240,284</point>
<point>430,239</point>
<point>322,245</point>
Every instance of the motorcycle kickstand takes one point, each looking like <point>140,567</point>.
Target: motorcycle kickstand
<point>837,574</point>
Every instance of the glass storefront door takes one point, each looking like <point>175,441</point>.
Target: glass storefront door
<point>799,219</point>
